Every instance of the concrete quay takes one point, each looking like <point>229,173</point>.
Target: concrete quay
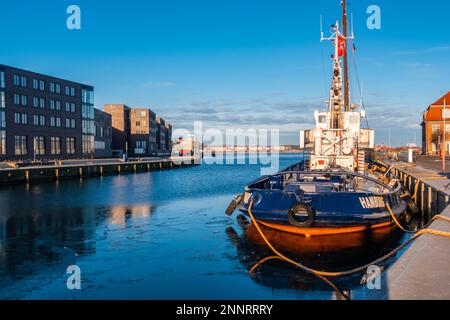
<point>422,272</point>
<point>82,169</point>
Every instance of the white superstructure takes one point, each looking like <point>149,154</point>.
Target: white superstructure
<point>338,139</point>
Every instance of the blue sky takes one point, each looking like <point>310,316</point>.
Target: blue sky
<point>241,63</point>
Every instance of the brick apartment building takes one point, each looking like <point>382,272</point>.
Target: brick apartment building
<point>434,118</point>
<point>43,117</point>
<point>142,132</point>
<point>103,134</point>
<point>138,132</point>
<point>120,116</point>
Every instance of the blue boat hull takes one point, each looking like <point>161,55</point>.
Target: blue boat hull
<point>332,209</point>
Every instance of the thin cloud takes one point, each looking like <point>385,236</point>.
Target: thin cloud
<point>436,49</point>
<point>159,84</point>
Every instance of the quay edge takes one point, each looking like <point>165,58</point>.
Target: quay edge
<point>421,271</point>
<point>89,170</point>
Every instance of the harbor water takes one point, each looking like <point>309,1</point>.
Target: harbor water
<point>153,235</point>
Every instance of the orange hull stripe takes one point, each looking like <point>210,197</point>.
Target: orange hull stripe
<point>323,231</point>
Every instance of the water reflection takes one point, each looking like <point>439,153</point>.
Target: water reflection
<point>330,253</point>
<point>41,240</point>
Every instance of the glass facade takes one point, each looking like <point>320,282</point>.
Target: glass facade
<point>2,114</point>
<point>88,127</point>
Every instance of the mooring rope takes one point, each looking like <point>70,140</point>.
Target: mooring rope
<point>324,274</point>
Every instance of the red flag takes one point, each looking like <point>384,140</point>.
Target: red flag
<point>341,46</point>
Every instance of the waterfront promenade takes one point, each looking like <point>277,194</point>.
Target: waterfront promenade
<point>422,271</point>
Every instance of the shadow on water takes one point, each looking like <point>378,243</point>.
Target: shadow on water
<point>325,253</point>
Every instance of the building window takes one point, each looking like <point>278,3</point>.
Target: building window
<point>72,107</point>
<point>3,143</point>
<point>88,144</point>
<point>55,143</point>
<point>58,122</point>
<point>20,145</point>
<point>58,105</point>
<point>87,96</point>
<point>72,91</point>
<point>16,99</point>
<point>70,123</point>
<point>58,88</point>
<point>24,100</point>
<point>435,128</point>
<point>2,100</point>
<point>39,145</point>
<point>52,87</point>
<point>17,118</point>
<point>67,107</point>
<point>42,103</point>
<point>35,84</point>
<point>52,121</point>
<point>23,81</point>
<point>2,79</point>
<point>35,102</point>
<point>2,119</point>
<point>36,120</point>
<point>42,120</point>
<point>70,145</point>
<point>140,147</point>
<point>100,145</point>
<point>67,90</point>
<point>16,80</point>
<point>52,104</point>
<point>24,118</point>
<point>41,85</point>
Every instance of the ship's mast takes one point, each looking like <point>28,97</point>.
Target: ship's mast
<point>339,96</point>
<point>346,80</point>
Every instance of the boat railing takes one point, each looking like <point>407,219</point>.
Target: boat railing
<point>392,193</point>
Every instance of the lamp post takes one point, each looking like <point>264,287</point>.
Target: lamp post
<point>443,139</point>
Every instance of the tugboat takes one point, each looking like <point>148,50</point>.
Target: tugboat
<point>338,188</point>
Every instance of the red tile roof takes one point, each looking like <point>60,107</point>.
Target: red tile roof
<point>434,111</point>
<point>440,102</point>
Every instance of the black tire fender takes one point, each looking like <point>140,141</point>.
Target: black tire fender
<point>304,209</point>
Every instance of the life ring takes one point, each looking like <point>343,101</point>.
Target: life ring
<point>304,209</point>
